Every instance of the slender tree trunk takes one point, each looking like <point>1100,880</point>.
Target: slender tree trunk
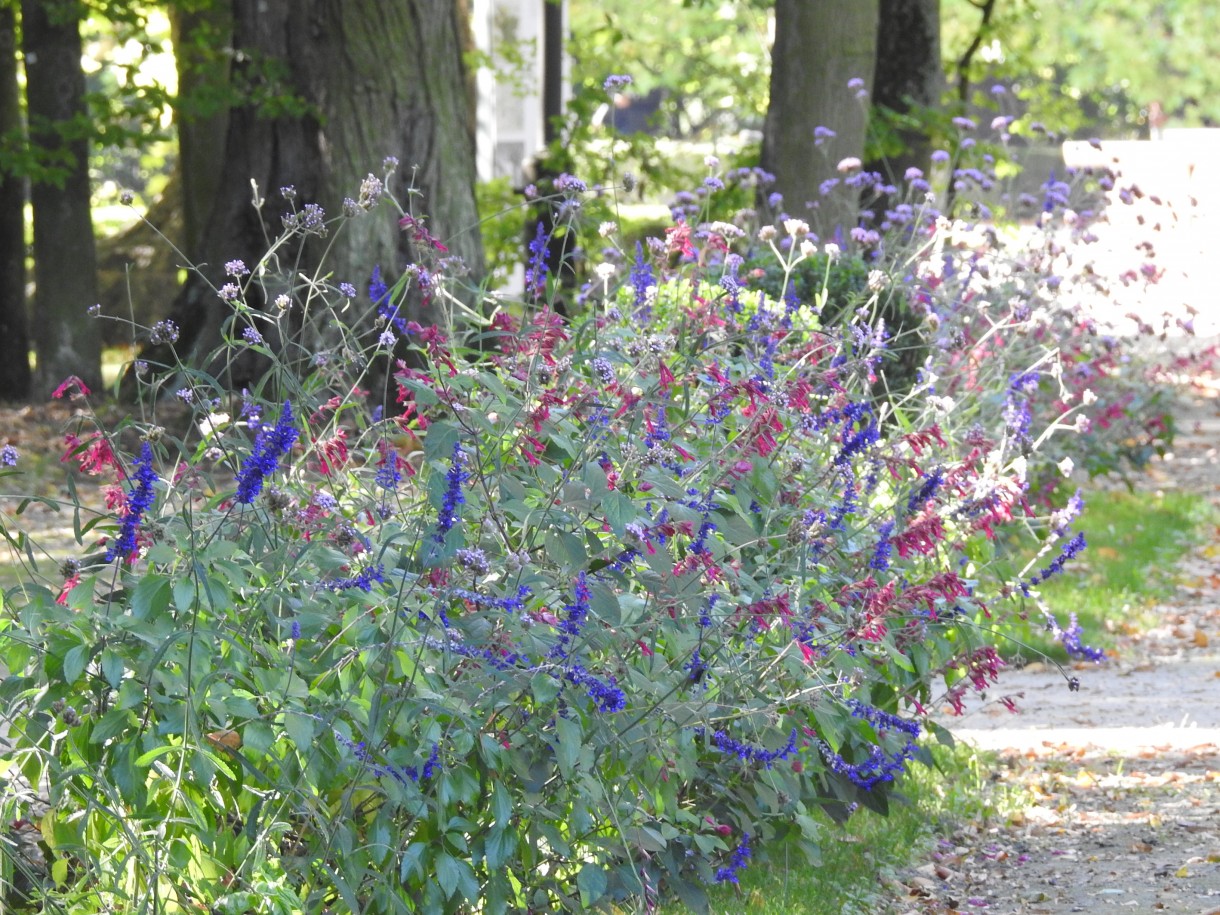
<point>820,45</point>
<point>373,79</point>
<point>14,332</point>
<point>65,262</point>
<point>201,32</point>
<point>909,75</point>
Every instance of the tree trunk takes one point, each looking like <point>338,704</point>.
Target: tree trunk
<point>819,47</point>
<point>64,258</point>
<point>14,332</point>
<point>909,76</point>
<point>201,111</point>
<point>373,80</point>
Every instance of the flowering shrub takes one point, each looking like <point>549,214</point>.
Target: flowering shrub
<point>595,612</point>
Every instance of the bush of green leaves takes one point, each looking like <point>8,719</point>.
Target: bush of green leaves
<point>591,614</point>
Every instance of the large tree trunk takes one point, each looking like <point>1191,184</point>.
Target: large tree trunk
<point>819,47</point>
<point>65,262</point>
<point>909,75</point>
<point>376,79</point>
<point>14,333</point>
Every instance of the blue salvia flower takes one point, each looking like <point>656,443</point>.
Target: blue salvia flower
<point>363,580</point>
<point>1070,639</point>
<point>878,767</point>
<point>731,283</point>
<point>500,660</point>
<point>139,500</point>
<point>577,614</point>
<point>455,477</point>
<point>606,694</point>
<point>741,857</point>
<point>885,548</point>
<point>641,280</point>
<point>746,752</point>
<point>925,492</point>
<point>536,269</point>
<point>499,603</point>
<point>881,720</point>
<point>402,774</point>
<point>264,459</point>
<point>379,294</point>
<point>1069,551</point>
<point>388,476</point>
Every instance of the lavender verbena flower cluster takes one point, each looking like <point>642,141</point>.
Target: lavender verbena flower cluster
<point>264,459</point>
<point>139,500</point>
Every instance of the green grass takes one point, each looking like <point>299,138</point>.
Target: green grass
<point>859,858</point>
<point>1135,540</point>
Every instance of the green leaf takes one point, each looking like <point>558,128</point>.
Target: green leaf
<point>144,760</point>
<point>897,656</point>
<point>591,882</point>
<point>74,663</point>
<point>439,442</point>
<point>114,722</point>
<point>693,896</point>
<point>544,687</point>
<point>942,734</point>
<point>566,548</point>
<point>497,847</point>
<point>112,667</point>
<point>455,876</point>
<point>569,736</point>
<point>257,737</point>
<point>300,730</point>
<point>604,603</point>
<point>150,597</point>
<point>412,861</point>
<point>184,594</point>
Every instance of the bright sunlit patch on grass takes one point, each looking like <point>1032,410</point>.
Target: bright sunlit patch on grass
<point>1135,540</point>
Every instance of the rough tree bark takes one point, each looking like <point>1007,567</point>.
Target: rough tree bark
<point>14,330</point>
<point>819,47</point>
<point>375,80</point>
<point>909,75</point>
<point>65,262</point>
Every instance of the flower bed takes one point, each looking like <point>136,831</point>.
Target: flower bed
<point>598,609</point>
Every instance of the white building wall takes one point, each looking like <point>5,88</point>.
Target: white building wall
<point>510,122</point>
